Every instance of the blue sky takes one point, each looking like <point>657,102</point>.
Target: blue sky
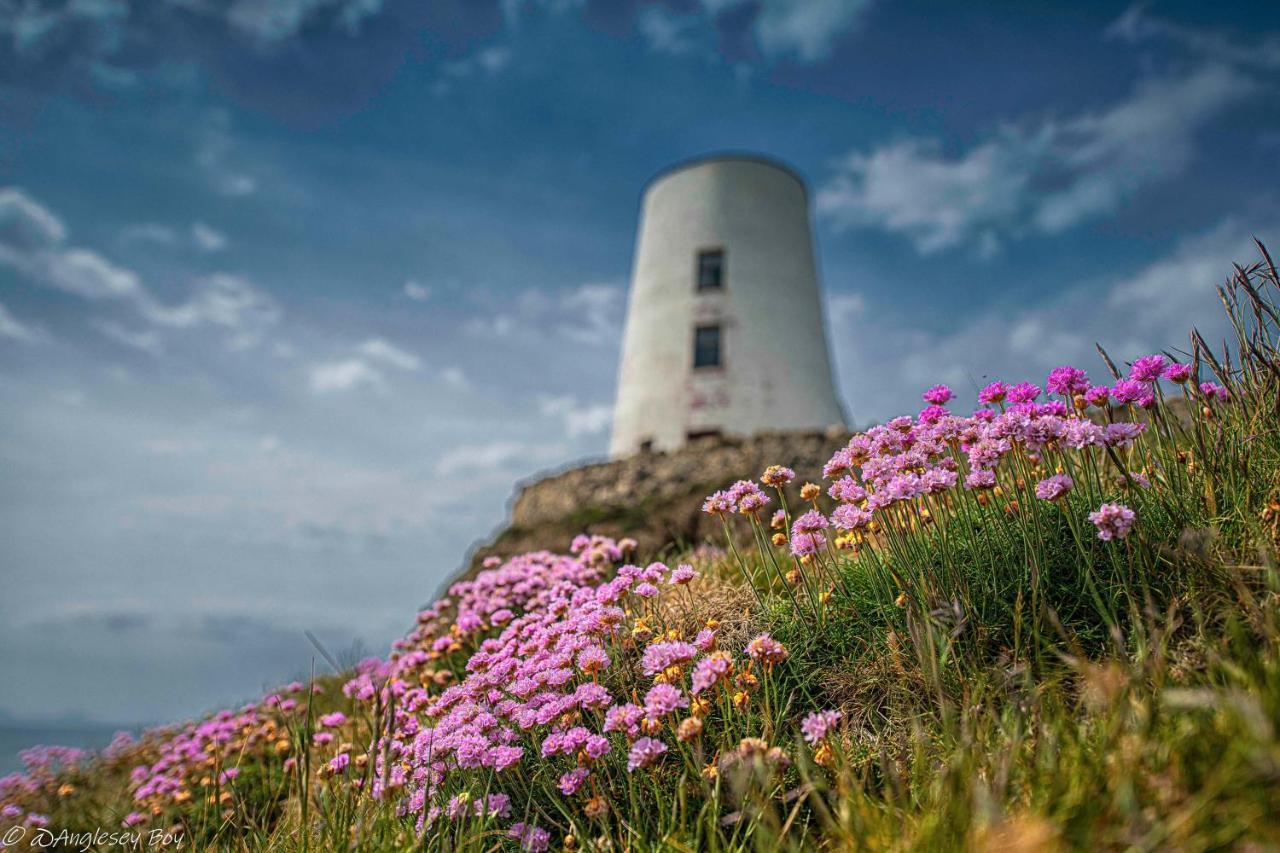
<point>293,293</point>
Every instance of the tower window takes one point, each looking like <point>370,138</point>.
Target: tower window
<point>711,269</point>
<point>706,346</point>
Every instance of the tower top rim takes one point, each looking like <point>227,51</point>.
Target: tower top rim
<point>725,157</point>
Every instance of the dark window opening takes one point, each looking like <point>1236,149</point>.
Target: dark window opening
<point>646,446</point>
<point>711,269</point>
<point>706,346</point>
<point>696,434</point>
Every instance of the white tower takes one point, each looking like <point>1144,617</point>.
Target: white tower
<point>725,329</point>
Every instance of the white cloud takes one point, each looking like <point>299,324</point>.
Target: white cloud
<point>1044,178</point>
<point>346,375</point>
<point>15,330</point>
<point>144,340</point>
<point>25,224</point>
<point>498,456</point>
<point>593,313</point>
<point>224,300</point>
<point>1262,52</point>
<point>384,351</point>
<point>806,29</point>
<point>886,366</point>
<point>667,31</point>
<point>214,154</point>
<point>455,376</point>
<point>416,291</point>
<point>32,241</point>
<point>579,420</point>
<point>207,239</point>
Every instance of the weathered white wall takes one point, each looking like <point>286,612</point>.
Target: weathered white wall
<point>776,372</point>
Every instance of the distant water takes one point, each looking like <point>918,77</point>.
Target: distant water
<point>15,737</point>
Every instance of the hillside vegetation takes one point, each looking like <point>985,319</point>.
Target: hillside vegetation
<point>1052,624</point>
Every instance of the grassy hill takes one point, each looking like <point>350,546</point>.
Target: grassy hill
<point>1053,624</point>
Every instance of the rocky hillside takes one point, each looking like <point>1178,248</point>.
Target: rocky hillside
<point>654,498</point>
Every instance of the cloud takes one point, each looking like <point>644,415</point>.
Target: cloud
<point>417,292</point>
<point>15,330</point>
<point>498,456</point>
<point>201,236</point>
<point>666,31</point>
<point>144,340</point>
<point>363,370</point>
<point>455,376</point>
<point>33,241</point>
<point>378,349</point>
<point>25,224</point>
<point>805,29</point>
<point>224,300</point>
<point>1136,26</point>
<point>215,156</point>
<point>887,365</point>
<point>1041,178</point>
<point>590,314</point>
<point>579,420</point>
<point>207,239</point>
<point>346,375</point>
<point>488,62</point>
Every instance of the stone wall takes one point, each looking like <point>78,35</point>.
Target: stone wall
<point>654,497</point>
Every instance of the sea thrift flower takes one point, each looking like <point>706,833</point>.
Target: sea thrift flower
<point>1113,521</point>
<point>1147,369</point>
<point>806,544</point>
<point>777,476</point>
<point>718,504</point>
<point>779,520</point>
<point>766,649</point>
<point>818,725</point>
<point>644,753</point>
<point>932,414</point>
<point>1098,395</point>
<point>1178,373</point>
<point>980,478</point>
<point>710,671</point>
<point>682,574</point>
<point>332,721</point>
<point>753,502</point>
<point>533,839</point>
<point>1213,389</point>
<point>662,656</point>
<point>1024,392</point>
<point>593,659</point>
<point>624,718</point>
<point>938,395</point>
<point>850,517</point>
<point>339,762</point>
<point>1067,381</point>
<point>664,699</point>
<point>1128,391</point>
<point>1053,488</point>
<point>993,393</point>
<point>572,781</point>
<point>811,522</point>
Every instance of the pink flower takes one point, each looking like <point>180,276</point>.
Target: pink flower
<point>777,475</point>
<point>644,753</point>
<point>938,395</point>
<point>1113,521</point>
<point>332,721</point>
<point>850,517</point>
<point>1213,390</point>
<point>1178,373</point>
<point>664,699</point>
<point>1066,381</point>
<point>572,781</point>
<point>682,574</point>
<point>1053,488</point>
<point>818,725</point>
<point>1024,392</point>
<point>1147,369</point>
<point>993,393</point>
